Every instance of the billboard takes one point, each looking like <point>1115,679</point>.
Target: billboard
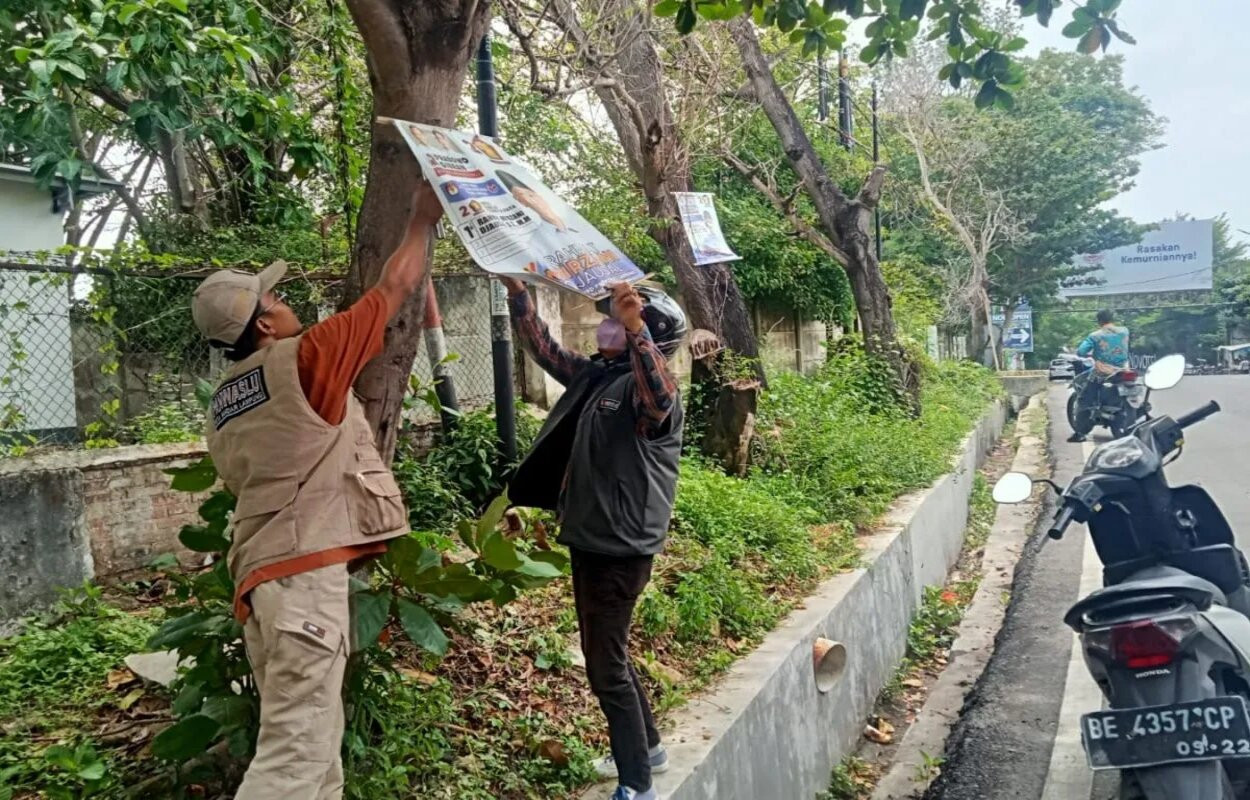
<point>510,221</point>
<point>1174,258</point>
<point>1018,337</point>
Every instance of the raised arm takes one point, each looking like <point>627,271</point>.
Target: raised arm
<point>655,390</point>
<point>556,360</point>
<point>409,265</point>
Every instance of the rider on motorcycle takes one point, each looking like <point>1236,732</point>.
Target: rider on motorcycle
<point>1108,347</point>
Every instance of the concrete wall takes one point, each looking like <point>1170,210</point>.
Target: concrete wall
<point>787,341</point>
<point>43,539</point>
<point>766,731</point>
<point>73,515</point>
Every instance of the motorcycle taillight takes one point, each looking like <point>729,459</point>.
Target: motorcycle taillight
<point>1128,375</point>
<point>1146,644</point>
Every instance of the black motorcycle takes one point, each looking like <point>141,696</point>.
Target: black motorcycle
<point>1118,402</point>
<point>1168,638</point>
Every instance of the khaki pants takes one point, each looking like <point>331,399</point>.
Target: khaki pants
<point>297,642</point>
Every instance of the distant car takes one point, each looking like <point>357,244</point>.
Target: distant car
<point>1061,368</point>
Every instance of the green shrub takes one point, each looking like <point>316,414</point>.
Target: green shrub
<point>53,678</point>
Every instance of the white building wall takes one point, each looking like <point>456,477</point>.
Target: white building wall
<point>36,365</point>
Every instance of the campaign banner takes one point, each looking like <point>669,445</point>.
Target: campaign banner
<point>1018,337</point>
<point>1177,256</point>
<point>698,217</point>
<point>510,222</point>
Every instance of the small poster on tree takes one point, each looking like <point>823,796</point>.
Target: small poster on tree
<point>509,221</point>
<point>698,216</point>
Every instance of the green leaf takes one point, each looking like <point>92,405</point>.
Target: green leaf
<point>128,11</point>
<point>138,42</point>
<point>1018,43</point>
<point>178,631</point>
<point>500,553</point>
<point>1123,36</point>
<point>203,539</point>
<point>181,5</point>
<point>185,738</point>
<point>666,8</point>
<point>870,52</point>
<point>197,477</point>
<point>92,772</point>
<point>465,529</point>
<point>217,507</point>
<point>989,92</point>
<point>71,68</point>
<point>369,612</point>
<point>61,756</point>
<point>203,390</point>
<point>1076,28</point>
<point>1004,99</point>
<point>1091,41</point>
<point>421,627</point>
<point>686,18</point>
<point>553,557</point>
<point>492,517</point>
<point>115,76</point>
<point>539,569</point>
<point>229,709</point>
<point>41,69</point>
<point>188,700</point>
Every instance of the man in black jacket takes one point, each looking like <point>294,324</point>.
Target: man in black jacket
<point>607,460</point>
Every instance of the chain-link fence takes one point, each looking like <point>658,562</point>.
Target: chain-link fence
<point>98,358</point>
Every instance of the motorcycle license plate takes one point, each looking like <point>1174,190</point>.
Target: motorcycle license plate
<point>1130,390</point>
<point>1218,728</point>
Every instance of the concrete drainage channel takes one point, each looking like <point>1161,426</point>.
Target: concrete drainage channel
<point>784,716</point>
<point>974,643</point>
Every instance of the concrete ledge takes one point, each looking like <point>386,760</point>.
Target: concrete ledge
<point>766,732</point>
<point>1024,384</point>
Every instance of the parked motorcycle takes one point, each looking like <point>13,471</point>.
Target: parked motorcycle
<point>1122,400</point>
<point>1168,638</point>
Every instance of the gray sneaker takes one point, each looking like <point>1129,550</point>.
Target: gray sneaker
<point>606,766</point>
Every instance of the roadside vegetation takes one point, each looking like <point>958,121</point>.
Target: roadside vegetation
<point>500,709</point>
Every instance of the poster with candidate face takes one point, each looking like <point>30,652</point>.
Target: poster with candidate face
<point>508,220</point>
<point>698,216</point>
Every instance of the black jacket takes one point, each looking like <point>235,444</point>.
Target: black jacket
<point>612,485</point>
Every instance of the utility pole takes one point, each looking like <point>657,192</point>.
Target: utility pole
<point>845,122</point>
<point>500,329</point>
<point>876,159</point>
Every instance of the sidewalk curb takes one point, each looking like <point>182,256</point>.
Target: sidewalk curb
<point>974,644</point>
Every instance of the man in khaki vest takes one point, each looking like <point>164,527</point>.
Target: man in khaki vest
<point>291,442</point>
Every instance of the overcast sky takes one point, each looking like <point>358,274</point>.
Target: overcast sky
<point>1193,65</point>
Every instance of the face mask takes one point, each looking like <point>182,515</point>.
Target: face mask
<point>610,336</point>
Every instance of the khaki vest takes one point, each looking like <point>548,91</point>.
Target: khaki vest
<point>303,485</point>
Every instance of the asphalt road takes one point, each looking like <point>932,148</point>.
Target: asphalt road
<point>1017,737</point>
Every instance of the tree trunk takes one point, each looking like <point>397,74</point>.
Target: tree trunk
<point>636,101</point>
<point>418,56</point>
<point>846,221</point>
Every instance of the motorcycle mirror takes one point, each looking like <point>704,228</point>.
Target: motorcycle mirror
<point>1165,372</point>
<point>1014,487</point>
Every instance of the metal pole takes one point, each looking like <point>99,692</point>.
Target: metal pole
<point>876,159</point>
<point>822,85</point>
<point>500,329</point>
<point>844,101</point>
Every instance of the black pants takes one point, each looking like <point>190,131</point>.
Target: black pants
<point>605,590</point>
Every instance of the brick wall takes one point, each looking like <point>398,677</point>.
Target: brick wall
<point>128,510</point>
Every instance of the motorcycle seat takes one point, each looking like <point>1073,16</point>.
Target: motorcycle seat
<point>1152,582</point>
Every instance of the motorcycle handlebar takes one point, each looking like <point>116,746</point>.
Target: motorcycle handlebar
<point>1198,414</point>
<point>1062,520</point>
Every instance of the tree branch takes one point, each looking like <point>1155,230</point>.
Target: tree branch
<point>785,206</point>
<point>385,44</point>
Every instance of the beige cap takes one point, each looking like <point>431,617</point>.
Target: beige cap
<point>225,301</point>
